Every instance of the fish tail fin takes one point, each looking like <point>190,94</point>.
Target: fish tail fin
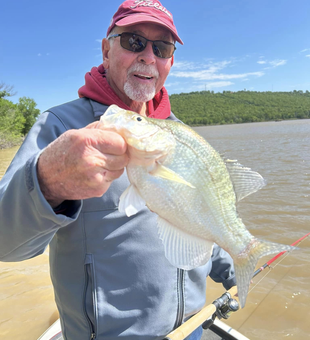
<point>246,261</point>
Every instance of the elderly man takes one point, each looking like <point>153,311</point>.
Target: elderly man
<point>110,275</point>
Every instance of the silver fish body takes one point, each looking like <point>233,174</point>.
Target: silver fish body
<point>181,178</point>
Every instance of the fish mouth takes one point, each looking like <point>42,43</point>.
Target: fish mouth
<point>142,138</point>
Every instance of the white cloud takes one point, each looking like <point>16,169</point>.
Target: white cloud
<point>218,84</point>
<point>308,55</point>
<point>186,65</point>
<point>211,66</point>
<point>42,55</point>
<point>211,75</point>
<point>273,63</point>
<point>277,62</point>
<point>98,48</point>
<point>173,84</point>
<point>214,67</point>
<point>207,75</point>
<point>305,50</point>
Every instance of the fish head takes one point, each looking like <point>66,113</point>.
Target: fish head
<point>146,137</point>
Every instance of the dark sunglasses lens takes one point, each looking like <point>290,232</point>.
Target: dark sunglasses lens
<point>163,49</point>
<point>137,43</point>
<point>133,42</point>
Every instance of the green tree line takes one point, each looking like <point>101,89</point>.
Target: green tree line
<point>209,108</point>
<point>15,119</point>
<point>195,108</point>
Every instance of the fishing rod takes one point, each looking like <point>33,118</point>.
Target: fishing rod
<point>267,264</point>
<point>222,307</point>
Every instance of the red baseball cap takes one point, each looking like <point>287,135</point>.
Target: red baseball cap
<point>132,12</point>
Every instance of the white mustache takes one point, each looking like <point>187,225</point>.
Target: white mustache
<point>149,70</point>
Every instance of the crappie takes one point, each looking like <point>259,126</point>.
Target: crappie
<point>181,178</point>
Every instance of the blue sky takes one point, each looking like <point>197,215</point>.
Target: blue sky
<point>46,47</point>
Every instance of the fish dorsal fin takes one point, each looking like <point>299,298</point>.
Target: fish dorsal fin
<point>166,173</point>
<point>181,249</point>
<point>245,180</point>
<point>131,201</point>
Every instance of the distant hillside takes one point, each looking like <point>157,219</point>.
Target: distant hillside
<point>208,108</point>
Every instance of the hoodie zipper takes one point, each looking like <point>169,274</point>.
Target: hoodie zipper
<point>90,281</point>
<point>180,292</point>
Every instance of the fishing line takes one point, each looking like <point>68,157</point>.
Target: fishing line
<point>265,297</point>
<point>267,272</point>
<point>277,263</point>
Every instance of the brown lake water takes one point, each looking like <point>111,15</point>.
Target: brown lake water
<point>278,307</point>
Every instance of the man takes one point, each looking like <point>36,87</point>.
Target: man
<point>110,275</point>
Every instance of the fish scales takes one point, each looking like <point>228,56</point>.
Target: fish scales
<point>180,177</point>
<point>202,166</point>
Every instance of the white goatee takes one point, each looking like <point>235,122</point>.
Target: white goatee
<point>137,91</point>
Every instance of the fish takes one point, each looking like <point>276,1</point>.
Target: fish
<point>177,174</point>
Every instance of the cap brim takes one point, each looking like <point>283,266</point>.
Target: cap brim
<point>138,18</point>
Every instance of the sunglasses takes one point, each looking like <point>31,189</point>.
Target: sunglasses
<point>136,43</point>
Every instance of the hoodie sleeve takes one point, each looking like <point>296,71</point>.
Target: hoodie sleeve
<point>27,221</point>
<point>222,268</point>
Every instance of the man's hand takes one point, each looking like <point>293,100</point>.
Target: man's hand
<point>81,164</point>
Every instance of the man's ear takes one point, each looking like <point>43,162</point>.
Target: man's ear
<point>172,60</point>
<point>105,47</point>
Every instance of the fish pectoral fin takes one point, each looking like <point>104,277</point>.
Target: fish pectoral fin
<point>183,250</point>
<point>163,172</point>
<point>245,180</point>
<point>131,201</point>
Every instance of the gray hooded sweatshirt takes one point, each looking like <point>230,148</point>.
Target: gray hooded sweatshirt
<point>110,275</point>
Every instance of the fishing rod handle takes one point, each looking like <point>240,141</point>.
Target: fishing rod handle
<point>195,321</point>
<point>190,325</point>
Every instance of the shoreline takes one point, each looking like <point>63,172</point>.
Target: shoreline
<point>261,121</point>
<point>17,141</point>
<point>8,144</point>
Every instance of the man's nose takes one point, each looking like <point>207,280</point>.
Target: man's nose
<point>147,55</point>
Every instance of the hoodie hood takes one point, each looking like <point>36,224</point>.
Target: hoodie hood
<point>97,88</point>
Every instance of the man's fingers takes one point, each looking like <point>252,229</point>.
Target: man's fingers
<point>111,143</point>
<point>81,164</point>
<point>112,162</point>
<point>105,141</point>
<point>94,125</point>
<point>109,176</point>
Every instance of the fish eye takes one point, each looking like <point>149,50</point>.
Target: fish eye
<point>138,118</point>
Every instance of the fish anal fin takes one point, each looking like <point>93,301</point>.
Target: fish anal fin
<point>183,250</point>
